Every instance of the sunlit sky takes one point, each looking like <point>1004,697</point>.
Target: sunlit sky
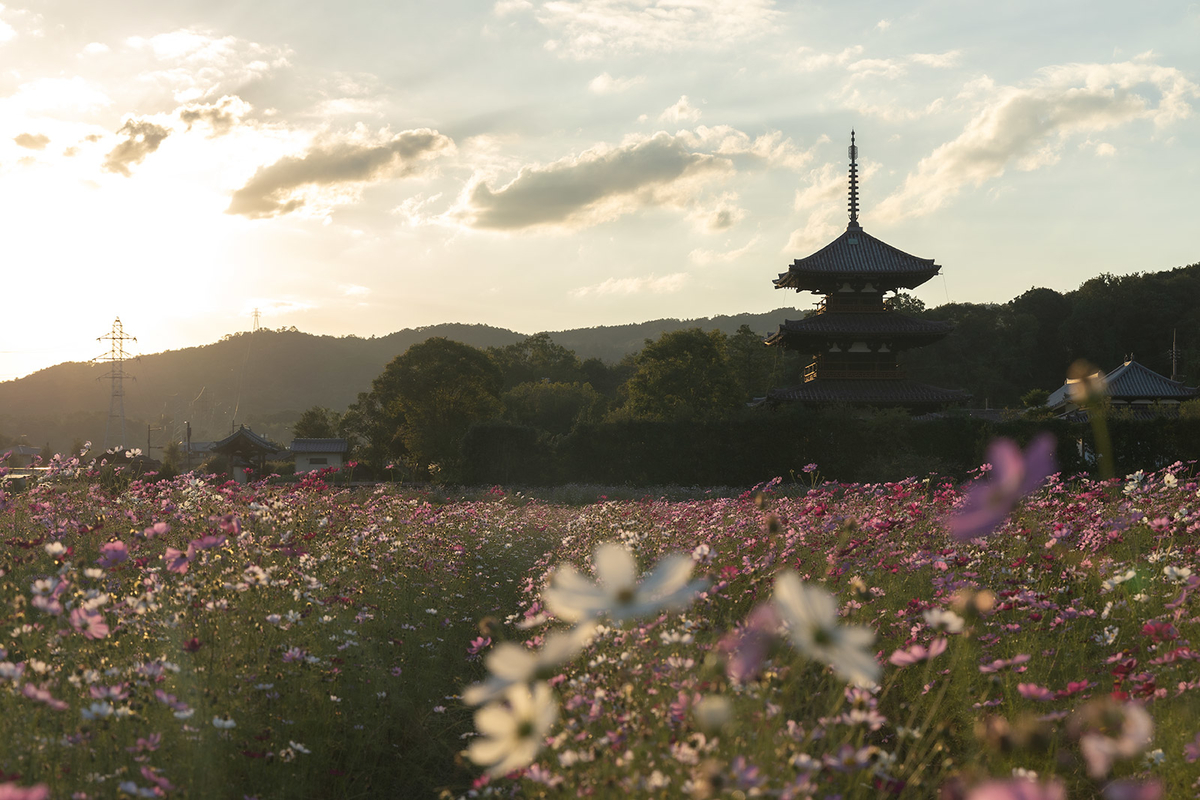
<point>366,166</point>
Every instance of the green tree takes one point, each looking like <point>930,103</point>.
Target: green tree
<point>553,407</point>
<point>536,358</point>
<point>317,422</point>
<point>424,402</point>
<point>685,375</point>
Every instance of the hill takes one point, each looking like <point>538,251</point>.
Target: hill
<point>266,378</point>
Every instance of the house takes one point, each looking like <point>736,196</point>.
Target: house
<point>19,455</point>
<point>1130,386</point>
<point>246,450</point>
<point>317,454</point>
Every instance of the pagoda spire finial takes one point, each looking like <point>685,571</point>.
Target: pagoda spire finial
<point>853,205</point>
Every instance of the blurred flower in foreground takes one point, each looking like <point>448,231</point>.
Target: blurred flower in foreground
<point>1018,789</point>
<point>1014,475</point>
<point>1109,731</point>
<point>11,791</point>
<point>617,594</point>
<point>513,730</point>
<point>511,664</point>
<point>810,614</point>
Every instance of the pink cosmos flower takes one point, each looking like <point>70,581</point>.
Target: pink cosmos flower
<point>90,623</point>
<point>1034,692</point>
<point>1019,789</point>
<point>917,653</point>
<point>1004,663</point>
<point>1192,751</point>
<point>207,542</point>
<point>746,646</point>
<point>1014,475</point>
<point>11,791</point>
<point>157,529</point>
<point>177,560</point>
<point>43,696</point>
<point>112,553</point>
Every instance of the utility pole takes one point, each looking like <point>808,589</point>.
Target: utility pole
<point>1175,355</point>
<point>256,317</point>
<point>116,357</point>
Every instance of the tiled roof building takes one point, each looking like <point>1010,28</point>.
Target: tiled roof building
<point>854,336</point>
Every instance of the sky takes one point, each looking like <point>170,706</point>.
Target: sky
<point>371,165</point>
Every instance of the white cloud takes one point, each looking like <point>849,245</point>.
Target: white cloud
<point>334,169</point>
<point>57,97</point>
<point>883,24</point>
<point>720,215</point>
<point>354,290</point>
<point>6,31</point>
<point>200,65</point>
<point>596,186</point>
<point>650,284</point>
<point>770,147</point>
<point>505,7</point>
<point>1026,126</point>
<point>823,200</point>
<point>594,28</point>
<point>681,111</point>
<point>95,49</point>
<point>808,60</point>
<point>705,257</point>
<point>950,58</point>
<point>607,84</point>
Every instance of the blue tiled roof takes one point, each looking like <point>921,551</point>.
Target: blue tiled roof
<point>1129,382</point>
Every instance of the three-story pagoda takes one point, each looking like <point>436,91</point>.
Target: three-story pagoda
<point>854,335</point>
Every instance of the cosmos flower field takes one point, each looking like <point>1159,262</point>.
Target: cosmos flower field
<point>1003,638</point>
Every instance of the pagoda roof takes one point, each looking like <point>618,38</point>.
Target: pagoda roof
<point>857,254</point>
<point>887,324</point>
<point>1130,382</point>
<point>868,392</point>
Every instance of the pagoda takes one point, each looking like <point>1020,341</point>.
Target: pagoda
<point>854,335</point>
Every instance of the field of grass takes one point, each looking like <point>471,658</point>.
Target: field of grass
<point>191,639</point>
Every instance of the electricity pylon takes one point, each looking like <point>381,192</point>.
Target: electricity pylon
<point>116,356</point>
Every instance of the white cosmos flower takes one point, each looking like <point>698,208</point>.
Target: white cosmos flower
<point>810,614</point>
<point>617,594</point>
<point>511,663</point>
<point>513,729</point>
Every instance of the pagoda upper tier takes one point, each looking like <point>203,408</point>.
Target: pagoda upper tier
<point>856,260</point>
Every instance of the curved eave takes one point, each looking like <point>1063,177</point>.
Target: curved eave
<point>857,255</point>
<point>817,330</point>
<point>824,282</point>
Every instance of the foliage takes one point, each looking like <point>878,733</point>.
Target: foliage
<point>317,422</point>
<point>534,360</point>
<point>684,375</point>
<point>422,404</point>
<point>1035,398</point>
<point>553,407</point>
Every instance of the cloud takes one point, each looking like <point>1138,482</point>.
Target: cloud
<point>650,284</point>
<point>705,257</point>
<point>593,187</point>
<point>682,111</point>
<point>883,24</point>
<point>827,186</point>
<point>808,60</point>
<point>57,97</point>
<point>1027,126</point>
<point>719,216</point>
<point>505,7</point>
<point>769,147</point>
<point>220,116</point>
<point>199,64</point>
<point>587,29</point>
<point>142,138</point>
<point>950,58</point>
<point>32,141</point>
<point>95,49</point>
<point>354,290</point>
<point>280,188</point>
<point>607,84</point>
<point>6,31</point>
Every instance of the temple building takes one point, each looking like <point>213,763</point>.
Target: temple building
<point>854,336</point>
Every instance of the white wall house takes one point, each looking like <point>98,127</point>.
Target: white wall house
<point>317,454</point>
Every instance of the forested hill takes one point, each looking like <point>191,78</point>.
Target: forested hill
<point>999,352</point>
<point>267,378</point>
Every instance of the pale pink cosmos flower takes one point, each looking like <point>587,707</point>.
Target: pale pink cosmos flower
<point>1014,475</point>
<point>90,623</point>
<point>11,791</point>
<point>1018,789</point>
<point>1192,751</point>
<point>917,653</point>
<point>112,553</point>
<point>43,696</point>
<point>179,561</point>
<point>1034,692</point>
<point>1110,731</point>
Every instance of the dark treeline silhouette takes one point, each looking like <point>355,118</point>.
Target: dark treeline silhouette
<point>999,352</point>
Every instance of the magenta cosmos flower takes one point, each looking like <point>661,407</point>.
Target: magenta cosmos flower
<point>1014,475</point>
